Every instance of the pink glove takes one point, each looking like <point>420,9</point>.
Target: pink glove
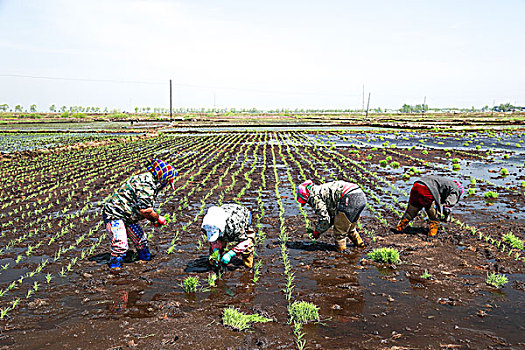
<point>161,221</point>
<point>316,234</point>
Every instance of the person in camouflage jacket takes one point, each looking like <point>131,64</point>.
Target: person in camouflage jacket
<point>337,203</point>
<point>131,203</point>
<point>437,195</point>
<point>229,224</point>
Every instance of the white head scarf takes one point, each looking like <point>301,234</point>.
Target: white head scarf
<point>214,223</point>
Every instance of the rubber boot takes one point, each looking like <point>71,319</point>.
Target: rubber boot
<point>115,262</point>
<point>354,236</point>
<point>144,254</point>
<point>340,244</point>
<point>247,260</point>
<point>402,224</point>
<point>433,228</point>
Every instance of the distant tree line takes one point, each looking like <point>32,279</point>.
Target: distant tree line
<point>406,108</point>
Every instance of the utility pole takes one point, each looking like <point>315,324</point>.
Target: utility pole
<point>363,107</point>
<point>171,100</point>
<point>423,107</point>
<point>368,104</point>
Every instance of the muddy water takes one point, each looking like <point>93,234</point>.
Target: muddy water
<point>363,305</point>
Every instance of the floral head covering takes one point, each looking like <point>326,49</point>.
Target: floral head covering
<point>163,172</point>
<point>303,192</point>
<point>460,186</point>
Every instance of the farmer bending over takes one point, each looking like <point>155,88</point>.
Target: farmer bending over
<point>337,203</point>
<point>437,195</point>
<point>226,224</point>
<point>131,203</point>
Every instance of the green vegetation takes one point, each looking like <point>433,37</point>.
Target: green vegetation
<point>514,241</point>
<point>385,255</point>
<point>504,172</point>
<point>190,284</point>
<point>212,279</point>
<point>383,163</point>
<point>394,165</point>
<point>456,166</point>
<point>490,194</point>
<point>496,280</point>
<point>426,275</point>
<point>215,256</point>
<point>471,191</point>
<point>303,312</point>
<point>239,320</point>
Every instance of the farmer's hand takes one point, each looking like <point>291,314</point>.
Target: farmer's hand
<point>316,234</point>
<point>161,221</point>
<point>227,257</point>
<point>446,214</point>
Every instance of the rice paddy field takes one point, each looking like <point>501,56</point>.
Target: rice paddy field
<point>463,289</point>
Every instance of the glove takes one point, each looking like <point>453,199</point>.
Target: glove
<point>161,221</point>
<point>316,234</point>
<point>227,257</point>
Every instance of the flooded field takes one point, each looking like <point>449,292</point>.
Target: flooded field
<point>56,290</point>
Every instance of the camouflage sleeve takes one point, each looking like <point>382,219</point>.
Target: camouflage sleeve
<point>145,197</point>
<point>237,222</point>
<point>323,218</point>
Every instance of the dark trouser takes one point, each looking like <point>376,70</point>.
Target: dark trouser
<point>349,210</point>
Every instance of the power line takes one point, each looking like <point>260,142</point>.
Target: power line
<point>176,84</point>
<point>81,79</point>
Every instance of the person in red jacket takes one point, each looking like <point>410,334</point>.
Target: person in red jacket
<point>437,195</point>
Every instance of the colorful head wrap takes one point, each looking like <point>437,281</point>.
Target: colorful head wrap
<point>303,191</point>
<point>163,172</point>
<point>460,186</point>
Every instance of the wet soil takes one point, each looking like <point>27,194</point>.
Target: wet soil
<point>363,304</point>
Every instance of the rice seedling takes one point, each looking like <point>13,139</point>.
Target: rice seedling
<point>303,312</point>
<point>426,275</point>
<point>394,165</point>
<point>212,279</point>
<point>239,320</point>
<point>513,241</point>
<point>496,280</point>
<point>384,255</point>
<point>504,172</point>
<point>490,195</point>
<point>257,271</point>
<point>471,191</point>
<point>299,335</point>
<point>190,284</point>
<point>456,166</point>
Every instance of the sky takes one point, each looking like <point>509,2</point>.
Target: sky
<point>262,54</point>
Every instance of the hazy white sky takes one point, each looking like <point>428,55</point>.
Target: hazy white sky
<point>264,54</point>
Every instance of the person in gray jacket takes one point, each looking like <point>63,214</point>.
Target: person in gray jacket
<point>229,224</point>
<point>437,195</point>
<point>337,203</point>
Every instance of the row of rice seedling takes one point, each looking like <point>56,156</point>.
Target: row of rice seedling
<point>295,308</point>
